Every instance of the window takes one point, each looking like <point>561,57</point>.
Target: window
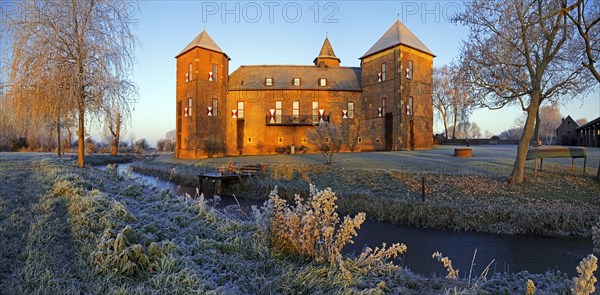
<point>409,108</point>
<point>278,111</point>
<point>296,111</point>
<point>179,109</point>
<point>249,139</point>
<point>296,81</point>
<point>240,109</point>
<point>280,139</point>
<point>303,139</point>
<point>315,112</point>
<point>360,140</point>
<point>350,110</point>
<point>215,70</point>
<point>269,81</point>
<point>322,82</point>
<point>409,70</point>
<point>189,73</point>
<point>215,107</point>
<point>383,107</point>
<point>383,68</point>
<point>377,140</point>
<point>189,111</point>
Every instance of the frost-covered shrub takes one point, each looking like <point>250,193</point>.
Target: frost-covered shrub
<point>312,228</point>
<point>596,237</point>
<point>118,253</point>
<point>452,273</point>
<point>530,287</point>
<point>585,281</point>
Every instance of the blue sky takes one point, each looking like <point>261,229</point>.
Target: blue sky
<point>291,32</point>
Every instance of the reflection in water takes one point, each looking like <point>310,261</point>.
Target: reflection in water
<point>511,253</point>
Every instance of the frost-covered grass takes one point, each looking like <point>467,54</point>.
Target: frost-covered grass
<point>552,203</point>
<point>65,230</point>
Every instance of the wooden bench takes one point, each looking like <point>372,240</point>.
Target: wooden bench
<point>556,152</point>
<point>230,174</point>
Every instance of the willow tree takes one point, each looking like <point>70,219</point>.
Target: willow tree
<point>90,42</point>
<point>519,52</point>
<point>38,94</point>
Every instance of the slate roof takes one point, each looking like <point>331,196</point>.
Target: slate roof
<point>566,123</point>
<point>326,51</point>
<point>593,122</point>
<point>397,34</point>
<point>253,77</point>
<point>203,40</point>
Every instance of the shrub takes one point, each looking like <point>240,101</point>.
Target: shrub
<point>530,288</point>
<point>283,149</point>
<point>585,281</point>
<point>452,273</point>
<point>596,237</point>
<point>313,229</point>
<point>140,146</point>
<point>327,139</point>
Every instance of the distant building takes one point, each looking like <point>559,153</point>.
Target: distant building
<point>566,132</point>
<point>589,134</point>
<point>385,104</point>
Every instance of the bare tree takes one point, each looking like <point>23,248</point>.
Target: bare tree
<point>474,132</point>
<point>586,18</point>
<point>113,129</point>
<point>462,97</point>
<point>167,144</point>
<point>442,95</point>
<point>581,121</point>
<point>89,43</point>
<point>550,120</point>
<point>511,134</point>
<point>518,52</point>
<point>487,134</point>
<point>327,139</point>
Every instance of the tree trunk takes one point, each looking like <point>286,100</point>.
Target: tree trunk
<point>81,140</point>
<point>454,123</point>
<point>536,131</point>
<point>518,172</point>
<point>59,143</point>
<point>115,144</point>
<point>68,139</point>
<point>445,129</point>
<point>598,174</point>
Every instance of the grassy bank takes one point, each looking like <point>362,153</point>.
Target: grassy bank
<point>86,231</point>
<point>552,203</point>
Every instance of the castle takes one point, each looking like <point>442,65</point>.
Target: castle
<point>385,104</point>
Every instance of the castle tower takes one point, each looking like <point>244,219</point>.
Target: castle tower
<point>327,57</point>
<point>396,77</point>
<point>202,73</point>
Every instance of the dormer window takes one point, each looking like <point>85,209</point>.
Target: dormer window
<point>296,81</point>
<point>269,81</point>
<point>322,82</point>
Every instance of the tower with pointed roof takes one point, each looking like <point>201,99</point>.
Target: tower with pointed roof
<point>326,56</point>
<point>396,75</point>
<point>202,75</point>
